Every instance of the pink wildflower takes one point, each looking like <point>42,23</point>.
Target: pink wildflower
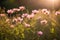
<point>30,16</point>
<point>35,11</point>
<point>47,12</point>
<point>44,10</point>
<point>27,25</point>
<point>40,33</point>
<point>10,11</point>
<point>16,9</point>
<point>43,22</point>
<point>2,15</point>
<point>19,19</point>
<point>22,8</point>
<point>24,15</point>
<point>57,13</point>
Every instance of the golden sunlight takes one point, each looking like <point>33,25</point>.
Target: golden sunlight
<point>53,1</point>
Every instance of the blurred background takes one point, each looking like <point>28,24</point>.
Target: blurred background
<point>31,4</point>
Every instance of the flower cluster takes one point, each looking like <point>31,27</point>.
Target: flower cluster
<point>21,8</point>
<point>35,23</point>
<point>21,18</point>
